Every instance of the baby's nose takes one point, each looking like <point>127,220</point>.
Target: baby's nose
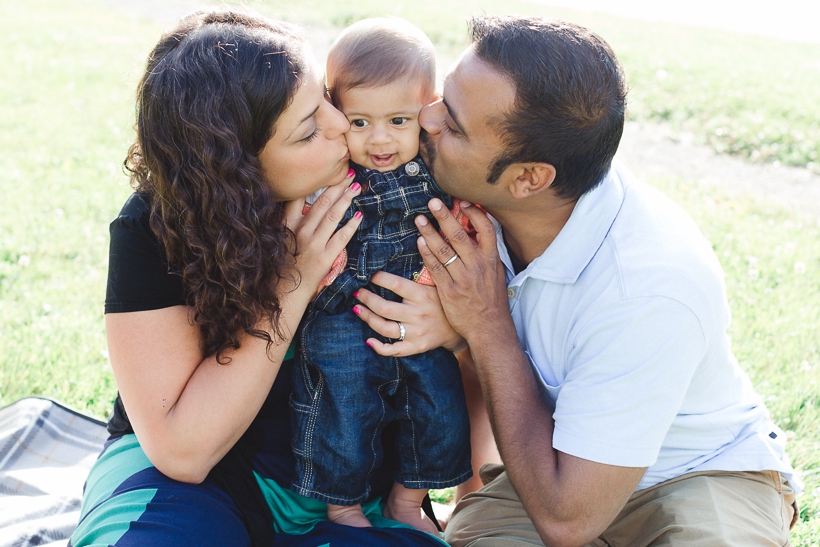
<point>380,135</point>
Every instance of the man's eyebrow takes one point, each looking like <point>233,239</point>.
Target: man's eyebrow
<point>453,116</point>
<point>303,120</point>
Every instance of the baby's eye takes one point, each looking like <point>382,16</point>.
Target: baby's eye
<point>359,123</point>
<point>398,121</point>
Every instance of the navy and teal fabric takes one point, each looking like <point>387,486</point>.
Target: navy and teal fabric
<point>344,394</point>
<point>128,502</point>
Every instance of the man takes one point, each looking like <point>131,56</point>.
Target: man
<point>595,313</point>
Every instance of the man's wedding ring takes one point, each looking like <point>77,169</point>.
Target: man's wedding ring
<point>402,332</point>
<point>452,259</point>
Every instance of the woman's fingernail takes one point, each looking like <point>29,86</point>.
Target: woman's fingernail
<point>369,344</point>
<point>355,186</point>
<point>435,205</point>
<point>356,294</point>
<point>356,309</point>
<point>358,215</point>
<point>350,172</point>
<point>422,221</point>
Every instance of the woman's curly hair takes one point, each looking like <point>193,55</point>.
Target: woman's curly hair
<point>206,106</point>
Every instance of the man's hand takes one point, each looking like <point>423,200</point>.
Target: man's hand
<point>469,274</point>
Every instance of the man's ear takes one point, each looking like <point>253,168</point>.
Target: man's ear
<point>529,179</point>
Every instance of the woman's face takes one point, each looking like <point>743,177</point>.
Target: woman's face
<point>308,150</point>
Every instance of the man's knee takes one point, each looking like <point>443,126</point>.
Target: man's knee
<point>492,516</point>
<point>718,508</point>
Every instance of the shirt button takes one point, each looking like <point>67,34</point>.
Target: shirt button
<point>412,168</point>
<point>510,293</point>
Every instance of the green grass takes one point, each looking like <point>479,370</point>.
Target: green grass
<point>66,89</point>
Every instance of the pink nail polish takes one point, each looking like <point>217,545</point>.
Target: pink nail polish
<point>368,343</point>
<point>356,309</point>
<point>355,186</point>
<point>350,173</point>
<point>356,294</point>
<point>358,215</point>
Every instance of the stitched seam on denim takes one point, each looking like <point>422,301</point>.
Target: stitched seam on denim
<point>413,442</point>
<point>378,428</point>
<point>438,483</point>
<point>328,299</point>
<point>313,417</point>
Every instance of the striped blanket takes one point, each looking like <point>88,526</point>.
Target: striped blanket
<point>46,451</point>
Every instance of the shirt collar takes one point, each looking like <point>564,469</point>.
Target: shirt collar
<point>580,238</point>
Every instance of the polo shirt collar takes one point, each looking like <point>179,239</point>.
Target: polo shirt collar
<point>580,238</point>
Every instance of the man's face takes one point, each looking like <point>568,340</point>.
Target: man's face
<point>461,134</point>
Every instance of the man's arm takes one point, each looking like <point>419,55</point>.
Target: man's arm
<point>569,500</point>
<point>482,442</point>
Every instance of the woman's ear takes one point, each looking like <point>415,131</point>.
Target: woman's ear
<point>531,178</point>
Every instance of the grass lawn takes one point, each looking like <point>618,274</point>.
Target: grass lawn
<point>67,89</point>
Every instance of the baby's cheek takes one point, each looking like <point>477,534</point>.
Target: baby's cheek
<point>411,147</point>
<point>357,146</point>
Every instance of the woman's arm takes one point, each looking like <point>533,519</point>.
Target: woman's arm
<point>188,410</point>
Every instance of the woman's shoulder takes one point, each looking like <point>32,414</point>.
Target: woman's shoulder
<point>132,226</point>
<point>139,276</point>
<point>135,210</point>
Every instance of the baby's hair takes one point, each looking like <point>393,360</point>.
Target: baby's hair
<point>378,52</point>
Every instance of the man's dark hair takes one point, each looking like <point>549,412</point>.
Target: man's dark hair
<point>570,97</point>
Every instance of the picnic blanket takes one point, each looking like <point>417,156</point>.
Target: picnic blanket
<point>46,450</point>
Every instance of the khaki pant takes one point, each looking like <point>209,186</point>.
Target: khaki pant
<point>720,508</point>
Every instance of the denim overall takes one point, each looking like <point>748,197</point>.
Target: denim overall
<point>344,394</point>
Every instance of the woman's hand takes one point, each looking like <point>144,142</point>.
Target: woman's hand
<point>318,242</point>
<point>425,326</point>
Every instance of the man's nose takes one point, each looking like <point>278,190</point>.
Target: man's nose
<point>431,117</point>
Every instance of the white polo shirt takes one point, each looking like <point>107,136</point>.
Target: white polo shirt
<point>624,319</point>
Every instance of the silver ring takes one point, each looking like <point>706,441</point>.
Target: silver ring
<point>402,332</point>
<point>452,259</point>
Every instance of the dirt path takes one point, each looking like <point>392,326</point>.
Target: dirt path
<point>650,151</point>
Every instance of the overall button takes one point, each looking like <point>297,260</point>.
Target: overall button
<point>412,168</point>
<point>510,293</point>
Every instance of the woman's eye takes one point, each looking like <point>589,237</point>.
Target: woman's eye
<point>359,123</point>
<point>398,121</point>
<point>312,135</point>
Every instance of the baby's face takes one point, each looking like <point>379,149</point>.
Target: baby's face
<point>384,123</point>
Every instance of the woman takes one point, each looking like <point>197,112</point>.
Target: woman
<point>212,266</point>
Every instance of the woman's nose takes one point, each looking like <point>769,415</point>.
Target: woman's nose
<point>431,117</point>
<point>338,123</point>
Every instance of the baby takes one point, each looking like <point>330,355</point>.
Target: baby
<point>380,72</point>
